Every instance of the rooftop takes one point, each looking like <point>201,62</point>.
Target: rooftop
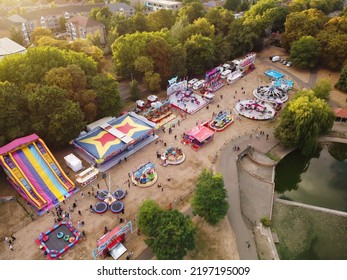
<point>165,2</point>
<point>84,21</point>
<point>341,113</point>
<point>7,47</point>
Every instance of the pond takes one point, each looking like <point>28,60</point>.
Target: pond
<point>319,180</point>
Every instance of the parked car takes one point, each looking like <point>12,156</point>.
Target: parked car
<point>285,62</point>
<point>276,58</point>
<point>289,64</point>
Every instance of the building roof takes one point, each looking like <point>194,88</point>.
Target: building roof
<point>7,47</point>
<point>84,21</point>
<point>16,19</point>
<point>200,133</point>
<point>165,2</point>
<point>341,113</point>
<point>58,11</point>
<point>210,4</point>
<point>115,7</point>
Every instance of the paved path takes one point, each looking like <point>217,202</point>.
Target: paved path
<point>227,166</point>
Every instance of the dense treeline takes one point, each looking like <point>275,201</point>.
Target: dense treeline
<point>53,92</point>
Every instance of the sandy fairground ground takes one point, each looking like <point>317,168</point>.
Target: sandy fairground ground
<point>212,242</point>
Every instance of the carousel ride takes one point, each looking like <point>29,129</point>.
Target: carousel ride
<point>221,121</point>
<point>172,155</point>
<point>255,110</point>
<point>271,94</point>
<point>145,175</point>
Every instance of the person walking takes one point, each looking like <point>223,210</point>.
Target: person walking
<point>11,247</point>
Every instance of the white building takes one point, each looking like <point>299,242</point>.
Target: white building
<point>8,47</point>
<point>155,5</point>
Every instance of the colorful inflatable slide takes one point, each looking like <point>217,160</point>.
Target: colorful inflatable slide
<point>34,172</point>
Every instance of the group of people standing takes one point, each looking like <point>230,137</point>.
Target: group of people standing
<point>10,240</point>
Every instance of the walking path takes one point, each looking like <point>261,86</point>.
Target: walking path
<point>227,166</point>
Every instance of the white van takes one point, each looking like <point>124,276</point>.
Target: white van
<point>198,85</point>
<point>276,58</point>
<point>225,74</point>
<point>226,66</point>
<point>192,82</point>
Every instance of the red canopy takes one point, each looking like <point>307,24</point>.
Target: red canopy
<point>200,133</point>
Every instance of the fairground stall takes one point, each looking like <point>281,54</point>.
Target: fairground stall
<point>198,136</point>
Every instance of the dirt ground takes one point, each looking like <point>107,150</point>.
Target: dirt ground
<point>212,242</point>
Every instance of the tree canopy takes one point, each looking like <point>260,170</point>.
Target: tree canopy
<point>305,52</point>
<point>323,88</point>
<point>342,82</point>
<point>299,24</point>
<point>303,120</point>
<point>209,200</point>
<point>170,234</point>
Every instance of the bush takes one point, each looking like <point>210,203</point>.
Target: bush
<point>265,221</point>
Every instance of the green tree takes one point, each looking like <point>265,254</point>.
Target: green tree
<point>323,88</point>
<point>303,120</point>
<point>275,18</point>
<point>342,82</point>
<point>299,24</point>
<point>178,29</point>
<point>140,22</point>
<point>222,49</point>
<point>149,217</point>
<point>200,26</point>
<point>107,95</point>
<point>59,77</point>
<point>144,64</point>
<point>159,50</point>
<point>103,15</point>
<point>209,200</point>
<point>55,118</point>
<point>305,52</point>
<point>134,90</point>
<point>90,112</point>
<point>94,39</point>
<point>17,36</point>
<point>126,49</point>
<point>62,22</point>
<point>178,61</point>
<point>192,11</point>
<point>175,236</point>
<point>161,19</point>
<point>220,18</point>
<point>232,5</point>
<point>170,234</point>
<point>40,32</point>
<point>344,12</point>
<point>153,81</point>
<point>50,41</point>
<point>200,54</point>
<point>14,119</point>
